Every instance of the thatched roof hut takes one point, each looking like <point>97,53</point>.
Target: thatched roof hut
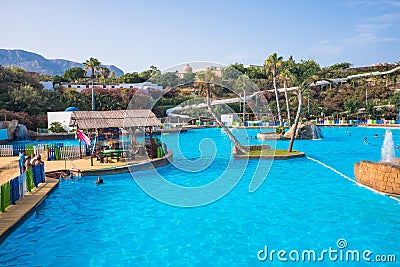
<point>113,118</point>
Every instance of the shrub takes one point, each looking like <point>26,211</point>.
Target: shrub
<point>56,127</point>
<point>280,129</point>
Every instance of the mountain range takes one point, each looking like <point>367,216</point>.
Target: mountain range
<point>33,62</point>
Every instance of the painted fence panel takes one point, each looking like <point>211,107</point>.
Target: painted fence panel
<point>6,150</point>
<point>71,152</point>
<point>39,149</point>
<point>16,188</point>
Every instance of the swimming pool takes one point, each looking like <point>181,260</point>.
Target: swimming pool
<point>302,205</point>
<point>66,142</point>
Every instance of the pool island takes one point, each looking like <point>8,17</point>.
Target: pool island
<point>265,152</point>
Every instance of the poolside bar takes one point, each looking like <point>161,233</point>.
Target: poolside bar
<point>105,128</point>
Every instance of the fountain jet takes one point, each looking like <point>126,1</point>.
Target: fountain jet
<point>387,150</point>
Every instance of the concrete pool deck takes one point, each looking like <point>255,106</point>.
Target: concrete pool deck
<point>9,165</point>
<point>17,214</point>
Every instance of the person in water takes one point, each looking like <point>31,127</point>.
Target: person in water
<point>99,180</point>
<point>67,175</point>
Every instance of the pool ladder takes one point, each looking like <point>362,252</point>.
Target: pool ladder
<point>75,169</point>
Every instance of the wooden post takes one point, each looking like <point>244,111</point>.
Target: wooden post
<point>80,148</point>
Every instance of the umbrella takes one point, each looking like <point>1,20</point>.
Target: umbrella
<point>83,137</point>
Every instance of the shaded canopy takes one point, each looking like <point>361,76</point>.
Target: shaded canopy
<point>113,118</point>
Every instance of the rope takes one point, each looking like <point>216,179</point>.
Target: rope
<point>351,180</point>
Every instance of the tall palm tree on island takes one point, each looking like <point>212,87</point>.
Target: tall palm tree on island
<point>272,63</point>
<point>209,78</point>
<point>285,77</point>
<point>303,74</point>
<point>92,64</point>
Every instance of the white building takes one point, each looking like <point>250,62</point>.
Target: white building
<point>228,119</point>
<point>62,116</point>
<point>144,85</point>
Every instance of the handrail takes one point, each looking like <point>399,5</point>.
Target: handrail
<point>73,165</point>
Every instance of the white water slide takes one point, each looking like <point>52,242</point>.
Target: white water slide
<point>204,105</point>
<point>170,112</point>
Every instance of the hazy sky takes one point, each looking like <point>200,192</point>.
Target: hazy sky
<point>136,34</point>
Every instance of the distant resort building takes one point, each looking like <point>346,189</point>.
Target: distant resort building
<point>188,69</point>
<point>79,87</point>
<point>216,70</point>
<point>144,86</point>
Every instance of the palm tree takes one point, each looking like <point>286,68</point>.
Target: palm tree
<point>303,74</point>
<point>285,77</point>
<point>92,64</point>
<point>297,119</point>
<point>105,72</point>
<point>272,63</point>
<point>209,79</point>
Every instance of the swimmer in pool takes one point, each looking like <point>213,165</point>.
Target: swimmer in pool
<point>99,180</point>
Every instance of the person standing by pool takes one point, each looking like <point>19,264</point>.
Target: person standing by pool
<point>28,164</point>
<point>33,160</point>
<point>39,160</point>
<point>22,161</point>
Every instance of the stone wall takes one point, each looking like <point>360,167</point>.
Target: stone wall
<point>383,177</point>
<point>10,126</point>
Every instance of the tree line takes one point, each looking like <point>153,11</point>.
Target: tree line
<point>21,93</point>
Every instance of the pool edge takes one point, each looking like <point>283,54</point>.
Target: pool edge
<point>16,215</point>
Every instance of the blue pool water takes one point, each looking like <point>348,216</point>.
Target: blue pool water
<point>302,205</point>
<point>66,142</point>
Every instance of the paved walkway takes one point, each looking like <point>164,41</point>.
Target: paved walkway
<point>8,169</point>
